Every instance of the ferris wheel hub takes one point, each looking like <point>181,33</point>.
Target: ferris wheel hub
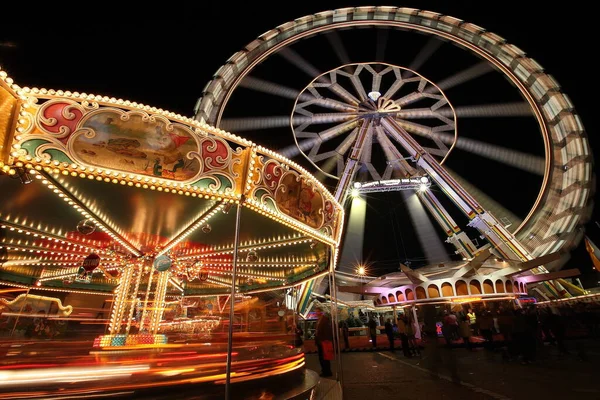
<point>374,95</point>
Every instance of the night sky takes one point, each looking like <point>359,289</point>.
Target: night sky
<point>163,56</point>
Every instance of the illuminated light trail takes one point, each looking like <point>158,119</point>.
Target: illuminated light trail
<point>425,53</point>
<point>338,47</point>
<point>468,74</point>
<point>514,158</point>
<point>486,201</point>
<point>514,109</point>
<point>298,61</point>
<point>270,122</point>
<point>65,374</point>
<point>276,89</point>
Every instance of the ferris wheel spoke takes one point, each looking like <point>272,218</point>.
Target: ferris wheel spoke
<point>518,109</point>
<point>260,85</point>
<point>417,113</point>
<point>328,166</point>
<point>316,139</point>
<point>514,109</point>
<point>343,93</point>
<point>365,156</point>
<point>338,130</point>
<point>347,142</point>
<point>395,160</point>
<point>324,156</point>
<point>439,104</point>
<point>514,158</point>
<point>422,130</point>
<point>381,44</point>
<point>517,159</point>
<point>298,61</point>
<point>425,53</point>
<point>359,88</point>
<point>425,131</point>
<point>338,46</point>
<point>418,95</point>
<point>305,134</point>
<point>326,102</point>
<point>395,86</point>
<point>302,127</point>
<point>341,165</point>
<point>293,150</point>
<point>435,152</point>
<point>254,123</point>
<point>373,172</point>
<point>504,215</point>
<point>315,149</point>
<point>468,74</point>
<point>324,118</point>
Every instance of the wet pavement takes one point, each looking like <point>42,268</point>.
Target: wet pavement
<point>460,374</point>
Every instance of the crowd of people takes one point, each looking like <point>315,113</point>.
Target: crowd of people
<point>516,332</point>
<point>520,332</point>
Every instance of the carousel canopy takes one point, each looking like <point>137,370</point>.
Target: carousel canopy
<point>92,185</point>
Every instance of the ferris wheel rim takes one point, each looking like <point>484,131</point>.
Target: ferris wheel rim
<point>454,117</point>
<point>536,226</point>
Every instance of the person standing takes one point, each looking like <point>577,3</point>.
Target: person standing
<point>486,325</point>
<point>298,334</point>
<point>447,328</point>
<point>410,334</point>
<point>389,331</point>
<point>465,332</point>
<point>323,335</point>
<point>453,325</point>
<point>373,331</point>
<point>402,323</point>
<point>472,321</point>
<point>345,334</point>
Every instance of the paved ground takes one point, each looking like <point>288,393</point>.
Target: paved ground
<point>481,375</point>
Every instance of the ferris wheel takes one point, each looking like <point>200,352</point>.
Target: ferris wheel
<point>421,107</point>
<point>379,93</point>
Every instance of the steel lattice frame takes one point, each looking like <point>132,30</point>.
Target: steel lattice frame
<point>563,203</point>
<point>346,113</point>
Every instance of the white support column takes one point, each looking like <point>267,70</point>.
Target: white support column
<point>351,167</point>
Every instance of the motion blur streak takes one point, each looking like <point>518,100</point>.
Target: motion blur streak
<point>65,371</point>
<point>45,375</point>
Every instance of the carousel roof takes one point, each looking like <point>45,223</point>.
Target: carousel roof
<point>86,174</point>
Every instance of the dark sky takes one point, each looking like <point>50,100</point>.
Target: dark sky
<point>164,55</point>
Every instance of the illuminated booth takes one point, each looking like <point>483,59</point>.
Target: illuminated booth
<point>185,229</point>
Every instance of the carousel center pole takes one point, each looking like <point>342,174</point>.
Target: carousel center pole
<point>232,301</point>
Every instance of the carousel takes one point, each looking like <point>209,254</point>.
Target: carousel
<point>183,243</point>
